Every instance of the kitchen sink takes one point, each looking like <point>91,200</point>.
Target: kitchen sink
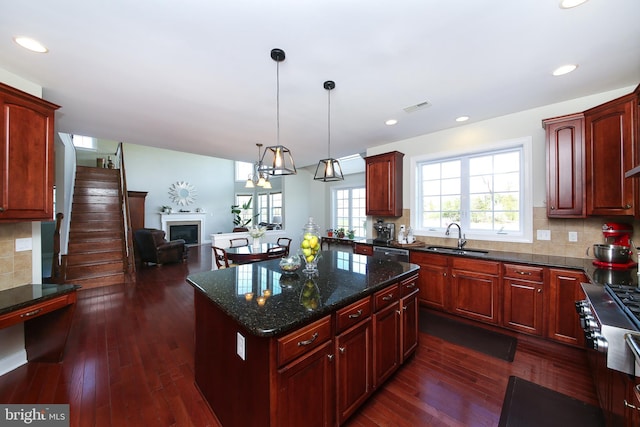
<point>456,251</point>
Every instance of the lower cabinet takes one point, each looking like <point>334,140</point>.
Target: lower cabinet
<point>475,289</point>
<point>409,317</point>
<point>386,334</point>
<point>523,298</point>
<point>433,279</point>
<point>563,320</point>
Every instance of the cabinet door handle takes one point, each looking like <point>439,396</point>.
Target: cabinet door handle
<point>404,308</point>
<point>1,209</point>
<point>553,208</point>
<point>398,312</point>
<point>330,357</point>
<point>539,290</point>
<point>629,405</point>
<point>387,297</point>
<point>355,315</point>
<point>31,313</point>
<point>524,273</point>
<point>342,349</point>
<point>627,206</point>
<point>309,341</point>
<point>444,274</point>
<point>411,285</point>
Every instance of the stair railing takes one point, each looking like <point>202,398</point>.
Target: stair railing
<point>56,274</point>
<point>130,266</point>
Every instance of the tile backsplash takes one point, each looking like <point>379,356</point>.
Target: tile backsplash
<point>15,267</point>
<point>589,231</point>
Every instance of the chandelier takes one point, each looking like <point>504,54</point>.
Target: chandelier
<point>259,178</point>
<point>329,169</point>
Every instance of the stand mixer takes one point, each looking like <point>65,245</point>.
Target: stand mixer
<point>618,234</point>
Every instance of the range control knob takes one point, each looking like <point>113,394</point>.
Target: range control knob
<point>588,322</point>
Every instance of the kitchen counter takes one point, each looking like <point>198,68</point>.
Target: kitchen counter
<point>342,278</point>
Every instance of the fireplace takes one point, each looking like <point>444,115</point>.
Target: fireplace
<point>187,232</point>
<point>184,225</point>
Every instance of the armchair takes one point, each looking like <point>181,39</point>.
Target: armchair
<point>152,247</point>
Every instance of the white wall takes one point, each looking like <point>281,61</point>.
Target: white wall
<point>476,135</point>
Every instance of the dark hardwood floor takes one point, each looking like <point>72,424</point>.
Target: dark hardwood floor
<point>129,362</point>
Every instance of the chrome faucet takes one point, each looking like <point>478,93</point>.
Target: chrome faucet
<point>461,238</point>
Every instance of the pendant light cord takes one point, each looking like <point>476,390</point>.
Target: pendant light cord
<point>329,125</point>
<point>278,102</point>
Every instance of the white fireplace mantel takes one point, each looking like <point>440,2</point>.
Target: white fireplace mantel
<point>184,218</point>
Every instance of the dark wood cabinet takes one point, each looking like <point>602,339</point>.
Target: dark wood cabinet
<point>432,279</point>
<point>475,289</point>
<point>298,405</point>
<point>136,208</point>
<point>408,317</point>
<point>26,156</point>
<point>384,184</point>
<point>362,249</point>
<point>386,338</point>
<point>563,320</point>
<point>610,152</point>
<point>523,298</point>
<point>565,166</point>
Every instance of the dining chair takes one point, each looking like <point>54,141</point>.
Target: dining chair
<point>276,252</point>
<point>285,242</point>
<point>220,256</point>
<point>238,241</point>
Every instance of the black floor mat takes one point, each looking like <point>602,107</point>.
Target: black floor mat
<point>530,405</point>
<point>475,338</point>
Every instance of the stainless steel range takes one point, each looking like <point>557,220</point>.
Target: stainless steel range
<point>610,313</point>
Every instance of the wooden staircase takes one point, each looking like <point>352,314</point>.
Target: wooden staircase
<point>96,254</point>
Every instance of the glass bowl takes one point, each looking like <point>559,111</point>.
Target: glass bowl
<point>290,264</point>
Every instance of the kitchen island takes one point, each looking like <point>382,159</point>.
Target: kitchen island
<point>313,350</point>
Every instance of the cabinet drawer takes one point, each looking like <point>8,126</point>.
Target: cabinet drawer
<point>361,249</point>
<point>418,257</point>
<point>304,339</point>
<point>385,297</point>
<point>524,272</point>
<point>352,314</point>
<point>36,310</point>
<point>408,286</point>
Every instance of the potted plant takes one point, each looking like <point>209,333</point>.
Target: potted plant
<point>340,233</point>
<point>351,234</point>
<point>330,232</point>
<point>236,210</point>
<point>166,209</point>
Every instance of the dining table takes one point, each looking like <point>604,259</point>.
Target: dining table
<point>251,253</point>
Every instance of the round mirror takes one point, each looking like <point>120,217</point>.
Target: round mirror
<point>182,193</point>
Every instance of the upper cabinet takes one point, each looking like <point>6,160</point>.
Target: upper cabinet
<point>565,166</point>
<point>26,156</point>
<point>588,155</point>
<point>384,184</point>
<point>610,152</point>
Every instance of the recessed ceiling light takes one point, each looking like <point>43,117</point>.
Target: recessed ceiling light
<point>568,4</point>
<point>462,119</point>
<point>565,69</point>
<point>391,122</point>
<point>30,44</point>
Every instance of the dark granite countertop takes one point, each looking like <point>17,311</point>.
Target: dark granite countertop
<point>23,296</point>
<point>342,278</point>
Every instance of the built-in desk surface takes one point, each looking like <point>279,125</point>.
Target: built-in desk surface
<point>27,295</point>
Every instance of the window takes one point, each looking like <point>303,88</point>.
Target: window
<point>243,170</point>
<point>268,205</point>
<point>84,142</point>
<point>349,209</point>
<point>487,193</point>
<point>245,214</point>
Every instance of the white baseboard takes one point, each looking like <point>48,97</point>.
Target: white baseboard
<point>13,361</point>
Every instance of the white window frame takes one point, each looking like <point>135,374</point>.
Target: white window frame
<point>83,142</point>
<point>334,207</point>
<point>526,194</point>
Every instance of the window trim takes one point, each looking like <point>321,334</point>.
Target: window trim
<point>334,204</point>
<point>526,196</point>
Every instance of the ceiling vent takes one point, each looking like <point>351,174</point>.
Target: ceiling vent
<point>419,106</point>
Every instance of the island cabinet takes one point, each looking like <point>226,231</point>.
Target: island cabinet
<point>26,156</point>
<point>280,364</point>
<point>610,152</point>
<point>565,166</point>
<point>523,298</point>
<point>433,279</point>
<point>564,290</point>
<point>475,289</point>
<point>383,175</point>
<point>363,249</point>
<point>353,357</point>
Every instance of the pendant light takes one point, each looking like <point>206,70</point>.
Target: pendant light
<point>258,178</point>
<point>277,159</point>
<point>329,169</point>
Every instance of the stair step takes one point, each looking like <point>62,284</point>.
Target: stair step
<point>97,191</point>
<point>100,281</point>
<point>92,258</point>
<point>94,246</point>
<point>94,270</point>
<point>91,236</point>
<point>112,208</point>
<point>97,226</point>
<point>84,172</point>
<point>93,216</point>
<point>92,200</point>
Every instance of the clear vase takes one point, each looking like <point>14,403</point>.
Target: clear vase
<point>256,243</point>
<point>310,246</point>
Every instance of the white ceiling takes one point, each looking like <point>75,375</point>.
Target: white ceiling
<point>197,76</point>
